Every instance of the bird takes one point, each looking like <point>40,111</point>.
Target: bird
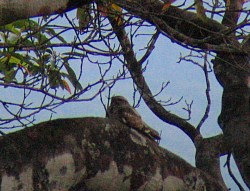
<point>120,109</point>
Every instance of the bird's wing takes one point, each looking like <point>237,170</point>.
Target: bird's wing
<point>134,120</point>
<point>151,132</point>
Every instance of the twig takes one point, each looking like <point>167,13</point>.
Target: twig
<point>231,173</point>
<point>205,116</point>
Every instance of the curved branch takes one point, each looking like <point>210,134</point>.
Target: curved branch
<point>205,116</point>
<point>135,70</point>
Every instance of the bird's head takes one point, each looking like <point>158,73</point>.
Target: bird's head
<point>119,100</point>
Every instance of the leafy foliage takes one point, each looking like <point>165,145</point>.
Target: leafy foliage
<point>39,55</point>
<point>28,51</point>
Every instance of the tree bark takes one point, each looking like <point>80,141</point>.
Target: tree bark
<point>93,154</point>
<point>11,11</point>
<point>232,71</point>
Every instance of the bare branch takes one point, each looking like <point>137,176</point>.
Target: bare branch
<point>150,47</point>
<point>205,116</point>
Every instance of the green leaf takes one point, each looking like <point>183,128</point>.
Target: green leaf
<point>10,76</point>
<point>26,24</point>
<point>10,28</point>
<point>15,58</point>
<point>52,33</point>
<point>72,77</point>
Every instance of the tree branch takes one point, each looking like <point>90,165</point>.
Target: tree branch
<point>208,153</point>
<point>93,154</point>
<point>11,11</point>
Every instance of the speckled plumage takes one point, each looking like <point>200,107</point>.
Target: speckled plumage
<point>121,110</point>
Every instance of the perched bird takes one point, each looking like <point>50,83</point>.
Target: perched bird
<point>121,110</point>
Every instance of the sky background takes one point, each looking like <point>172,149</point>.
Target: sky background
<point>186,80</point>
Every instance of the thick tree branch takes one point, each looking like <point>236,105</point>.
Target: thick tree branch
<point>208,153</point>
<point>93,154</point>
<point>184,27</point>
<point>233,73</point>
<point>11,11</point>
